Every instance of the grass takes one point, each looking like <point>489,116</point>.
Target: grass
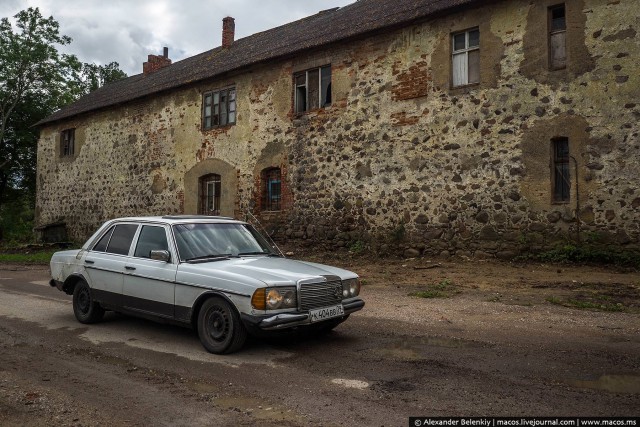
<point>587,305</point>
<point>587,254</point>
<point>40,257</point>
<point>443,289</point>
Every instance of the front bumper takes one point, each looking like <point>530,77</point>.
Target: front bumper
<point>271,322</point>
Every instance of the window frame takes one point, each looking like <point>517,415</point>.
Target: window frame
<point>67,142</point>
<point>203,195</point>
<point>324,97</point>
<point>551,32</point>
<point>563,196</point>
<point>228,111</point>
<point>270,203</point>
<point>464,51</point>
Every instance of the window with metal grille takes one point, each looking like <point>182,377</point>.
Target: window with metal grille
<point>557,37</point>
<point>219,108</point>
<point>210,189</point>
<point>561,174</point>
<point>67,142</point>
<point>465,60</point>
<point>272,191</point>
<point>312,89</point>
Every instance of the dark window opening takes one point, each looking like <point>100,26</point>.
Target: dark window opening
<point>312,89</point>
<point>561,171</point>
<point>219,108</point>
<point>557,37</point>
<point>67,142</point>
<point>272,190</point>
<point>101,246</point>
<point>210,191</point>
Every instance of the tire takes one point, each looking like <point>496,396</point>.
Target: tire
<point>84,307</point>
<point>219,327</point>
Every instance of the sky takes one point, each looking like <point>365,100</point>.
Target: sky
<point>127,31</point>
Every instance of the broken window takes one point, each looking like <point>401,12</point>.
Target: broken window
<point>466,57</point>
<point>557,37</point>
<point>561,176</point>
<point>67,142</point>
<point>272,190</point>
<point>312,89</point>
<point>219,108</point>
<point>210,190</point>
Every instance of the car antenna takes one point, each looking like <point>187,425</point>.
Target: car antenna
<point>261,227</point>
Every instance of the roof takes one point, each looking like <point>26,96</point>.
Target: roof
<point>326,27</point>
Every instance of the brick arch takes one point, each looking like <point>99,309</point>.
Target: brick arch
<point>229,185</point>
<point>273,156</point>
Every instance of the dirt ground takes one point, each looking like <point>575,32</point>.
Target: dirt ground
<point>437,338</point>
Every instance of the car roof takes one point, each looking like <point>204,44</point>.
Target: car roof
<point>179,219</point>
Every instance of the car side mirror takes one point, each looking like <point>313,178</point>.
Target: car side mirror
<point>160,255</point>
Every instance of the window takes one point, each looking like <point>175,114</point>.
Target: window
<point>312,89</point>
<point>67,141</point>
<point>219,108</point>
<point>121,239</point>
<point>210,189</point>
<point>272,193</point>
<point>101,246</point>
<point>466,57</point>
<point>561,176</point>
<point>151,239</point>
<point>557,38</point>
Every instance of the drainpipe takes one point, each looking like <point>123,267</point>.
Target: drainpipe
<point>575,162</point>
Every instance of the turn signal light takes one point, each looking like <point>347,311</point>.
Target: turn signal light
<point>258,299</point>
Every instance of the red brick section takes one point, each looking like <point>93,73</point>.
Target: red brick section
<point>411,83</point>
<point>228,31</point>
<point>154,63</point>
<point>286,195</point>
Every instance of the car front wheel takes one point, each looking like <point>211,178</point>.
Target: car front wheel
<point>84,307</point>
<point>219,326</point>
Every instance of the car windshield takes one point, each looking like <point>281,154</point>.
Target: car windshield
<point>204,240</point>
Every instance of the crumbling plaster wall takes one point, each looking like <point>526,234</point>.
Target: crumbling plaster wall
<point>399,157</point>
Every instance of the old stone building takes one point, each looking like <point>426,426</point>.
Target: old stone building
<point>449,126</point>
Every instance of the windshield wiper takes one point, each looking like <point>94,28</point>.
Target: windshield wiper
<point>206,258</point>
<point>271,254</point>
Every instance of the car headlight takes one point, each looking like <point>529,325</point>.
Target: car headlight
<point>350,288</point>
<point>274,298</point>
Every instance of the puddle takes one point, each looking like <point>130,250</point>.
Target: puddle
<point>258,409</point>
<point>360,385</point>
<point>612,383</point>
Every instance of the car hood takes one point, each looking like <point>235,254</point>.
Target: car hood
<point>248,273</point>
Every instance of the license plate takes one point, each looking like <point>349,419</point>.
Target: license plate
<point>326,313</point>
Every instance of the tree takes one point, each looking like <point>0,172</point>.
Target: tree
<point>35,81</point>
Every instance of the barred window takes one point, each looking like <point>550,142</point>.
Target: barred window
<point>67,142</point>
<point>561,175</point>
<point>210,190</point>
<point>272,190</point>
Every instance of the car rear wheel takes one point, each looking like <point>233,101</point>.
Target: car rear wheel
<point>219,327</point>
<point>84,307</point>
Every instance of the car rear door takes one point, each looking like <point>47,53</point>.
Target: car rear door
<point>105,264</point>
<point>149,285</point>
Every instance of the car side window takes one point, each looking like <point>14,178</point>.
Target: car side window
<point>121,239</point>
<point>151,238</point>
<point>101,246</point>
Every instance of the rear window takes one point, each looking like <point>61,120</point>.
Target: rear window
<point>121,239</point>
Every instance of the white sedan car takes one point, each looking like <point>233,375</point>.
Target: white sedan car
<point>216,274</point>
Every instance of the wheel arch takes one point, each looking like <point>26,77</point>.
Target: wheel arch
<point>202,298</point>
<point>70,283</point>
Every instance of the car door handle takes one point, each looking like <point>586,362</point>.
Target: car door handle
<point>128,267</point>
<point>88,261</point>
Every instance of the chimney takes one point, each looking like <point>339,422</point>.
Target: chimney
<point>155,62</point>
<point>228,31</point>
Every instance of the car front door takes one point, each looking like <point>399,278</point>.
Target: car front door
<point>105,264</point>
<point>149,284</point>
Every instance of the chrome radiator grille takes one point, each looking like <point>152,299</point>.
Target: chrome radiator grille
<point>316,295</point>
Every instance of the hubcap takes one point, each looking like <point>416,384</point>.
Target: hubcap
<point>218,324</point>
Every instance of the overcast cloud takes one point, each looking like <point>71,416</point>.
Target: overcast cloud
<point>127,31</point>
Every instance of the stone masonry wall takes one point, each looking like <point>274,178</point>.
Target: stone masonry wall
<point>400,159</point>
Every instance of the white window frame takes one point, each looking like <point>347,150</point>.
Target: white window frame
<point>462,78</point>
